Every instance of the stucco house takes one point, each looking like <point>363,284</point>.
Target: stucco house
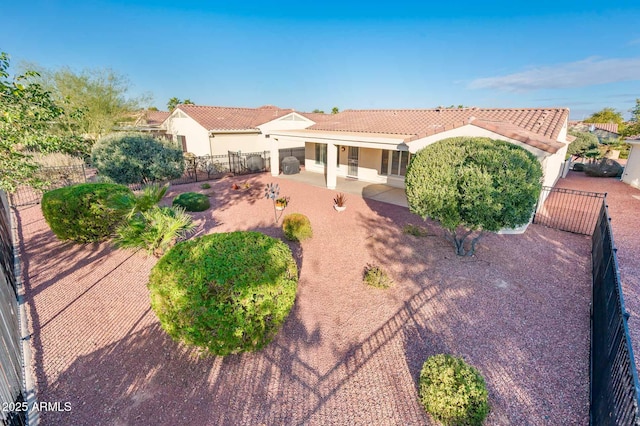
<point>604,131</point>
<point>213,130</point>
<point>376,145</point>
<point>631,174</point>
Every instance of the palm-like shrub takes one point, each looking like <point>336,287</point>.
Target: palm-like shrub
<point>452,391</point>
<point>155,229</point>
<point>296,227</point>
<point>192,202</point>
<point>84,213</point>
<point>225,292</point>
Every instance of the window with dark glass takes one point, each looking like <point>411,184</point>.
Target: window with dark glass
<point>321,154</point>
<point>384,163</point>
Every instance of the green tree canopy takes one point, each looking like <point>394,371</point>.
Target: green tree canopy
<point>473,184</point>
<point>28,119</point>
<point>633,128</point>
<point>318,111</point>
<point>335,110</point>
<point>128,158</point>
<point>584,146</point>
<point>101,94</point>
<point>174,102</point>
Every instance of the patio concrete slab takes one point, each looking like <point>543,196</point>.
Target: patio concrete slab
<point>374,191</point>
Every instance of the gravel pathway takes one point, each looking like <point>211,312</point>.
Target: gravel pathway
<point>624,209</point>
<point>348,354</point>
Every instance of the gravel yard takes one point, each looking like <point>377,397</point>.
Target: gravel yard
<point>348,354</point>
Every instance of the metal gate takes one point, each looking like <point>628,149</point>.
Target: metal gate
<point>11,377</point>
<point>569,210</point>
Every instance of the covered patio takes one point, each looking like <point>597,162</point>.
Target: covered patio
<point>373,191</point>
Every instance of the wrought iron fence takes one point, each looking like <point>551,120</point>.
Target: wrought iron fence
<point>11,380</point>
<point>614,387</point>
<point>299,153</point>
<point>58,176</point>
<point>568,209</point>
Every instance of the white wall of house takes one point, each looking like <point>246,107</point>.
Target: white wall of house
<point>197,137</point>
<point>631,174</point>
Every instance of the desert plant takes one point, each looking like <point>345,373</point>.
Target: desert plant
<point>192,202</point>
<point>224,292</point>
<point>146,199</point>
<point>452,391</point>
<point>415,230</point>
<point>55,159</point>
<point>473,185</point>
<point>282,202</point>
<point>205,186</point>
<point>297,227</point>
<point>155,229</point>
<point>85,212</point>
<point>340,200</point>
<point>129,158</point>
<point>375,276</point>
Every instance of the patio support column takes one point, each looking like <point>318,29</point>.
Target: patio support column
<point>275,157</point>
<point>332,158</point>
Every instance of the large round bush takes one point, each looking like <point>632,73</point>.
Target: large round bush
<point>452,391</point>
<point>84,213</point>
<point>226,293</point>
<point>192,202</point>
<point>296,227</point>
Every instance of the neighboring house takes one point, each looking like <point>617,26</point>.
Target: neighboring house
<point>376,145</point>
<point>603,131</point>
<point>146,121</point>
<point>631,174</point>
<point>212,130</point>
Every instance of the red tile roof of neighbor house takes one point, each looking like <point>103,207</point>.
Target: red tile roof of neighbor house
<point>538,127</point>
<point>609,127</point>
<point>155,118</point>
<point>232,118</point>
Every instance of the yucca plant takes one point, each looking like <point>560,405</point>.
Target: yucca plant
<point>155,230</point>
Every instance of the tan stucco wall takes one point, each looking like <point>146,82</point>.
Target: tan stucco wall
<point>196,135</point>
<point>631,174</point>
<point>221,144</point>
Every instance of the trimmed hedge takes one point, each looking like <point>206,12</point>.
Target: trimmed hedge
<point>296,227</point>
<point>192,202</point>
<point>452,391</point>
<point>225,292</point>
<point>84,213</point>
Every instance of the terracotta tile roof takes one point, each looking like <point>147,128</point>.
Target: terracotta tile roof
<point>232,118</point>
<point>539,127</point>
<point>155,118</point>
<point>609,127</point>
<point>318,117</point>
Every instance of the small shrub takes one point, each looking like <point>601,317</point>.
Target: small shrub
<point>452,391</point>
<point>375,276</point>
<point>296,227</point>
<point>145,200</point>
<point>205,186</point>
<point>84,213</point>
<point>224,292</point>
<point>155,229</point>
<point>192,202</point>
<point>416,231</point>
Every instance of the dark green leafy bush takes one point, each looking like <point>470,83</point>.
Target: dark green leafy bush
<point>375,276</point>
<point>84,213</point>
<point>205,186</point>
<point>226,292</point>
<point>452,391</point>
<point>296,227</point>
<point>136,158</point>
<point>192,202</point>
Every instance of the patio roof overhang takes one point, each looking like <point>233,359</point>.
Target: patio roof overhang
<point>359,139</point>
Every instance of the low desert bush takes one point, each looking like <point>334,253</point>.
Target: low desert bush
<point>155,229</point>
<point>85,212</point>
<point>296,227</point>
<point>224,292</point>
<point>205,186</point>
<point>192,202</point>
<point>415,230</point>
<point>452,391</point>
<point>375,276</point>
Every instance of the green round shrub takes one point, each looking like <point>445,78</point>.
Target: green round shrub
<point>452,391</point>
<point>192,202</point>
<point>226,292</point>
<point>84,213</point>
<point>296,227</point>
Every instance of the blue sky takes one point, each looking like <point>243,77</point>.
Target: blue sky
<point>351,54</point>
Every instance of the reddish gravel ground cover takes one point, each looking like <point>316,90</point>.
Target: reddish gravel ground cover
<point>624,210</point>
<point>348,354</point>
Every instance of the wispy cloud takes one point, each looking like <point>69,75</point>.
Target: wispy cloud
<point>634,42</point>
<point>586,72</point>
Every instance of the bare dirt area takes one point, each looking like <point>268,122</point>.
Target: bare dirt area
<point>624,209</point>
<point>348,354</point>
